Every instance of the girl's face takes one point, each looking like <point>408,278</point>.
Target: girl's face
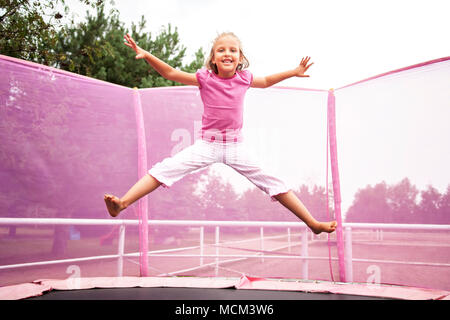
<point>226,56</point>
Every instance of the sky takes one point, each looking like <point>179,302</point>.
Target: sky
<point>348,41</point>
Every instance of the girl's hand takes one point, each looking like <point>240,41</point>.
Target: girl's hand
<point>140,53</point>
<point>303,67</point>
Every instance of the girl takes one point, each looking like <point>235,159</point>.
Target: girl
<point>222,84</point>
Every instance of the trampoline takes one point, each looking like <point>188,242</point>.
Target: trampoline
<point>205,288</point>
<point>211,236</point>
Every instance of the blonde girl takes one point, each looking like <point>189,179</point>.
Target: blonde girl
<point>222,84</point>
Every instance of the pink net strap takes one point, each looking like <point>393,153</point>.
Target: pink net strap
<point>422,64</point>
<point>336,183</point>
<point>142,170</point>
<point>328,200</point>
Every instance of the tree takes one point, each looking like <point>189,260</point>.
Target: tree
<point>42,128</point>
<point>398,203</point>
<point>46,165</point>
<point>444,207</point>
<point>258,206</point>
<point>370,205</point>
<point>218,199</point>
<point>315,200</point>
<point>95,48</point>
<point>402,201</point>
<point>28,29</point>
<point>428,207</point>
<point>35,31</point>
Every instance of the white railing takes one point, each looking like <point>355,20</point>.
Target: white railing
<point>304,256</point>
<point>379,228</point>
<point>168,252</point>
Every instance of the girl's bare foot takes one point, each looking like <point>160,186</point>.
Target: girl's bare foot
<point>320,227</point>
<point>113,204</point>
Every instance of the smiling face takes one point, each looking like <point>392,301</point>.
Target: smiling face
<point>226,56</point>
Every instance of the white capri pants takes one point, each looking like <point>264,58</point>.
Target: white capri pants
<point>203,153</point>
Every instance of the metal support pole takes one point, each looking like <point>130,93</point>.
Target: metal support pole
<point>305,262</point>
<point>261,232</point>
<point>348,255</point>
<point>202,240</point>
<point>289,239</point>
<point>217,250</point>
<point>121,250</point>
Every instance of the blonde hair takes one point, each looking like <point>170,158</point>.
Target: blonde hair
<point>211,66</point>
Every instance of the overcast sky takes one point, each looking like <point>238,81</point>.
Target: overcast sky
<point>348,40</point>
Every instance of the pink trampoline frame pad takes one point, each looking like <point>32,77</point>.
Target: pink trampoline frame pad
<point>40,287</point>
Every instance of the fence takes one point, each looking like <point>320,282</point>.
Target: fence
<point>304,256</point>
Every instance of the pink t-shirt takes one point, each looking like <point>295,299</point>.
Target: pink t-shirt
<point>223,101</point>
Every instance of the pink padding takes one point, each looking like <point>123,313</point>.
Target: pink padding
<point>23,291</point>
<point>383,291</point>
<point>27,290</point>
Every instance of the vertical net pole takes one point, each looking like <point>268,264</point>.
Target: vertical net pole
<point>336,184</point>
<point>304,250</point>
<point>328,198</point>
<point>142,170</point>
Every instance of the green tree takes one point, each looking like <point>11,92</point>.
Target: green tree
<point>29,29</point>
<point>95,48</point>
<point>35,31</point>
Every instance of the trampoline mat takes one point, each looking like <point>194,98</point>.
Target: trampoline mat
<point>191,294</point>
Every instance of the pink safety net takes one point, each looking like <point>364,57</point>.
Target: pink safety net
<point>394,150</point>
<point>372,155</point>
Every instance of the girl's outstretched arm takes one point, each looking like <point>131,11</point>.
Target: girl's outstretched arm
<point>264,82</point>
<point>160,66</point>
